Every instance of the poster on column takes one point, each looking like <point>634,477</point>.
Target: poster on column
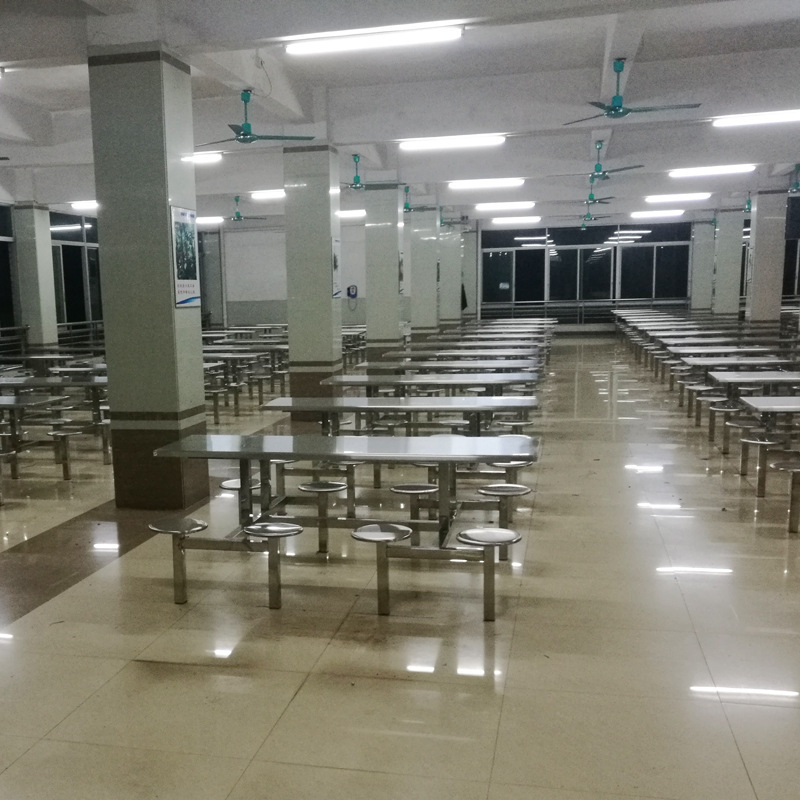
<point>184,257</point>
<point>336,262</point>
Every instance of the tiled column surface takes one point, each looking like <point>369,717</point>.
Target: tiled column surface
<point>34,273</point>
<point>767,240</point>
<point>422,267</point>
<point>153,349</point>
<point>702,280</point>
<point>450,278</point>
<point>728,261</point>
<point>311,180</point>
<point>384,269</point>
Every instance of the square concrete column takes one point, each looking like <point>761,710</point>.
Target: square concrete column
<point>313,253</point>
<point>768,245</point>
<point>450,256</point>
<point>421,234</point>
<point>702,280</point>
<point>384,269</point>
<point>728,263</point>
<point>469,274</point>
<point>34,274</point>
<point>141,106</point>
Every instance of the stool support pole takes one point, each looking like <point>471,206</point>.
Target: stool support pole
<point>382,559</point>
<point>488,584</point>
<point>274,572</point>
<point>179,569</point>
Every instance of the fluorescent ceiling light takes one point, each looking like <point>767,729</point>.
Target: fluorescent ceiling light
<point>694,570</point>
<point>353,213</point>
<point>677,198</point>
<point>203,158</point>
<point>666,212</point>
<point>487,183</point>
<point>268,194</point>
<point>517,205</point>
<point>531,238</point>
<point>743,690</point>
<point>758,118</point>
<point>85,205</point>
<point>515,220</point>
<point>453,142</point>
<point>628,233</point>
<point>724,169</point>
<point>58,228</point>
<point>210,220</point>
<point>374,41</point>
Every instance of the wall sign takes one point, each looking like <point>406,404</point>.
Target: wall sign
<point>184,257</point>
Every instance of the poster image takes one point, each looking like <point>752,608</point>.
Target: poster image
<point>184,258</point>
<point>336,261</point>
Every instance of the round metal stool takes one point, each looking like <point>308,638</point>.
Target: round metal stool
<point>273,532</point>
<point>179,528</point>
<point>793,468</point>
<point>322,489</point>
<point>382,535</point>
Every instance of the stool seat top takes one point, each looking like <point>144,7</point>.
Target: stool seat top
<point>267,530</point>
<point>235,483</point>
<point>322,486</point>
<point>787,465</point>
<point>483,537</point>
<point>180,525</point>
<point>381,532</point>
<point>510,463</point>
<point>414,488</point>
<point>504,489</point>
<point>761,440</point>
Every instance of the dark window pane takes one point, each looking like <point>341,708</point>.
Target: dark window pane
<point>74,300</point>
<point>6,295</point>
<point>529,275</point>
<point>494,240</point>
<point>90,224</point>
<point>564,275</point>
<point>66,227</point>
<point>95,298</point>
<point>592,234</point>
<point>596,274</point>
<point>790,267</point>
<point>672,271</point>
<point>636,272</point>
<point>6,228</point>
<point>497,275</point>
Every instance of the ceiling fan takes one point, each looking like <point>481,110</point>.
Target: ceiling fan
<point>358,184</point>
<point>244,132</point>
<point>237,214</point>
<point>407,207</point>
<point>591,200</point>
<point>617,109</point>
<point>598,173</point>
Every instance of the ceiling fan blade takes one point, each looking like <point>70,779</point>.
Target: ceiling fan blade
<point>278,137</point>
<point>623,169</point>
<point>584,119</point>
<point>238,130</point>
<point>640,109</point>
<point>220,141</point>
<point>602,106</point>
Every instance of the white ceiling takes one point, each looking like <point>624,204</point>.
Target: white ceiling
<point>522,67</point>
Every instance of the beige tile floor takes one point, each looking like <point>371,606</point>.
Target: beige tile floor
<point>581,689</point>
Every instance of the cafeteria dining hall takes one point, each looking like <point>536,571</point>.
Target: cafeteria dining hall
<point>399,400</point>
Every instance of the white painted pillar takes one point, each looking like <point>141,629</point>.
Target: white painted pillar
<point>727,263</point>
<point>422,267</point>
<point>153,347</point>
<point>385,278</point>
<point>469,273</point>
<point>702,280</point>
<point>313,267</point>
<point>449,279</point>
<point>34,274</point>
<point>768,243</point>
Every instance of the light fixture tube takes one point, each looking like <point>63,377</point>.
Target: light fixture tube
<point>84,205</point>
<point>757,118</point>
<point>723,169</point>
<point>677,198</point>
<point>666,212</point>
<point>487,183</point>
<point>515,220</point>
<point>203,158</point>
<point>453,142</point>
<point>268,194</point>
<point>518,205</point>
<point>209,220</point>
<point>374,41</point>
<point>353,213</point>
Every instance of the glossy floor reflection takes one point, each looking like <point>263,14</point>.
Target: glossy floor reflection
<point>650,581</point>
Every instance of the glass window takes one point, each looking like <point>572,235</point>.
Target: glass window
<point>93,270</point>
<point>790,267</point>
<point>529,275</point>
<point>90,227</point>
<point>591,234</point>
<point>636,272</point>
<point>66,227</point>
<point>74,293</point>
<point>564,274</point>
<point>596,273</point>
<point>499,239</point>
<point>6,295</point>
<point>672,271</point>
<point>6,228</point>
<point>58,282</point>
<point>497,276</point>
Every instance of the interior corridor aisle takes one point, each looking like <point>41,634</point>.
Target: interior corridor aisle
<point>581,690</point>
